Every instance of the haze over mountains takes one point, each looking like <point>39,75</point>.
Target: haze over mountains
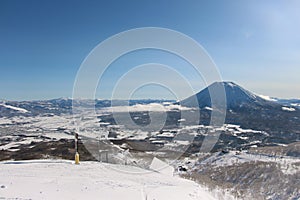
<point>236,97</point>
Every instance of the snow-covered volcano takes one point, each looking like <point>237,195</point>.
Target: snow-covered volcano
<point>230,94</point>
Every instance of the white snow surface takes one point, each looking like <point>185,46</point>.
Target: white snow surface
<point>208,108</point>
<point>14,145</point>
<point>154,107</point>
<point>61,179</point>
<point>267,97</point>
<point>288,109</point>
<point>295,104</point>
<point>231,84</point>
<point>22,110</point>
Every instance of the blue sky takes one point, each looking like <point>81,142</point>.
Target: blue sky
<point>43,43</point>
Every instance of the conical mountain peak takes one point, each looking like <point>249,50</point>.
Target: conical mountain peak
<point>234,95</point>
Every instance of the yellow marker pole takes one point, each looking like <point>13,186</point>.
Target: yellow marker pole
<point>76,158</point>
<point>76,149</point>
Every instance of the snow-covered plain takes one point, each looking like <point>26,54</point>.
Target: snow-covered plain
<point>61,179</point>
<point>153,107</point>
<point>62,127</point>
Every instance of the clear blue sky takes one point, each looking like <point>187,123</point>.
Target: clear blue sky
<point>43,43</point>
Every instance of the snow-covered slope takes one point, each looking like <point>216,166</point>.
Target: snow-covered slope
<point>22,110</point>
<point>60,179</point>
<point>267,97</point>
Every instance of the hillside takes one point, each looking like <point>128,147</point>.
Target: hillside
<point>61,179</point>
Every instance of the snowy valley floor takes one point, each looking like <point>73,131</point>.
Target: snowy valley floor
<point>61,179</point>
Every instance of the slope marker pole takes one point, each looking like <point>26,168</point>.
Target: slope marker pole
<point>76,149</point>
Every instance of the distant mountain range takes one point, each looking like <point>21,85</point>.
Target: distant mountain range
<point>236,98</point>
<point>62,105</point>
<point>278,116</point>
<point>275,121</point>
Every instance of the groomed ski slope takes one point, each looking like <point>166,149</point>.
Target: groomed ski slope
<point>61,179</point>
